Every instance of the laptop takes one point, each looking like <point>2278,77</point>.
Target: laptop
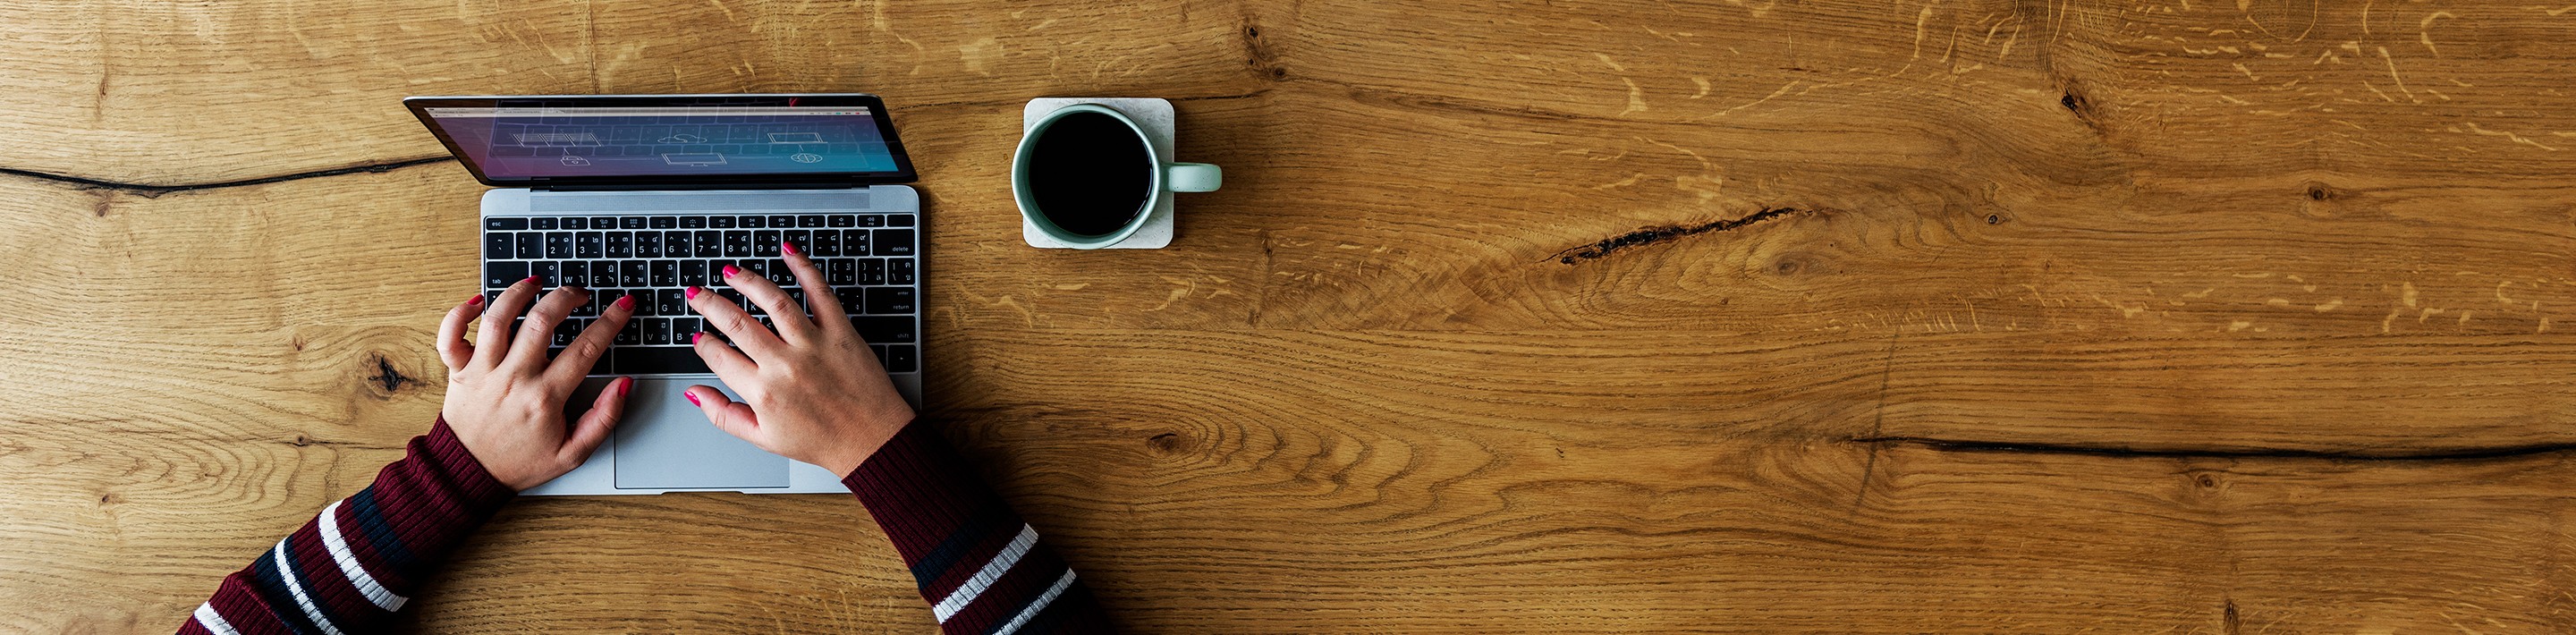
<point>651,194</point>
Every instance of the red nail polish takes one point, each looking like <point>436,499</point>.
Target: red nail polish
<point>625,384</point>
<point>693,293</point>
<point>693,398</point>
<point>730,270</point>
<point>477,299</point>
<point>789,246</point>
<point>530,279</point>
<point>626,301</point>
<point>700,336</point>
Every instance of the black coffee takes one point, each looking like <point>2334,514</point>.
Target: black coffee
<point>1090,173</point>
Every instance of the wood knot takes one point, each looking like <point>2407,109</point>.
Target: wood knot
<point>388,380</point>
<point>1166,442</point>
<point>1788,267</point>
<point>301,440</point>
<point>1994,219</point>
<point>2321,192</point>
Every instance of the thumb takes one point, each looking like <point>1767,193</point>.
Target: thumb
<point>603,415</point>
<point>733,417</point>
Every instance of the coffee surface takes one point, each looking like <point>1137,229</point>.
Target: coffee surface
<point>1090,174</point>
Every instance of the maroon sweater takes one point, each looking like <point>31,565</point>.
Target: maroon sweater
<point>348,570</point>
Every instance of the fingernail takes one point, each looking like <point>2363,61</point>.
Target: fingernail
<point>530,279</point>
<point>789,246</point>
<point>693,293</point>
<point>730,270</point>
<point>625,384</point>
<point>626,301</point>
<point>693,398</point>
<point>477,299</point>
<point>700,336</point>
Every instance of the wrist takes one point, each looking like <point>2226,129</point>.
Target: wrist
<point>850,455</point>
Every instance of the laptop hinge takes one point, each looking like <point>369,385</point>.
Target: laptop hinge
<point>841,185</point>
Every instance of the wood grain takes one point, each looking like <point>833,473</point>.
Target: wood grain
<point>1587,316</point>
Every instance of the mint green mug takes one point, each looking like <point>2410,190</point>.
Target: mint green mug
<point>1167,177</point>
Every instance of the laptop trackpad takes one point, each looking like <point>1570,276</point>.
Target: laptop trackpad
<point>666,443</point>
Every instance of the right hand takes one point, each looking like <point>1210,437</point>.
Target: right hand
<point>811,390</point>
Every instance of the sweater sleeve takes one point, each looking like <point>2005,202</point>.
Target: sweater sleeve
<point>352,567</point>
<point>979,565</point>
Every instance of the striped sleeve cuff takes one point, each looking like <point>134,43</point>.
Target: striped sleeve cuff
<point>982,569</point>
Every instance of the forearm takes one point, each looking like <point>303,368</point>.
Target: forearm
<point>353,566</point>
<point>980,566</point>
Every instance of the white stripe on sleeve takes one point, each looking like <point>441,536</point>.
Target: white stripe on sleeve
<point>348,560</point>
<point>213,621</point>
<point>1034,608</point>
<point>297,589</point>
<point>1001,564</point>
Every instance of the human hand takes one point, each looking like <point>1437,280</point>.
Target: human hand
<point>505,399</point>
<point>811,390</point>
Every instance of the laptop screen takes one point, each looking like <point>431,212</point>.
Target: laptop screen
<point>643,140</point>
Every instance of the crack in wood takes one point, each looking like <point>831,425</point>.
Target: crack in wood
<point>1661,233</point>
<point>148,190</point>
<point>2117,451</point>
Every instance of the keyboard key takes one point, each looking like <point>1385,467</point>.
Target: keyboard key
<point>780,275</point>
<point>853,300</point>
<point>630,222</point>
<point>586,245</point>
<point>872,271</point>
<point>842,220</point>
<point>565,331</point>
<point>764,243</point>
<point>505,222</point>
<point>751,222</point>
<point>827,243</point>
<point>840,272</point>
<point>735,297</point>
<point>496,245</point>
<point>603,222</point>
<point>710,244</point>
<point>676,244</point>
<point>720,222</point>
<point>902,358</point>
<point>575,273</point>
<point>883,329</point>
<point>809,221</point>
<point>880,350</point>
<point>621,245</point>
<point>693,222</point>
<point>898,271</point>
<point>648,244</point>
<point>899,220</point>
<point>855,243</point>
<point>532,245</point>
<point>891,242</point>
<point>656,360</point>
<point>657,331</point>
<point>684,330</point>
<point>666,222</point>
<point>737,244</point>
<point>632,334</point>
<point>872,220</point>
<point>666,273</point>
<point>631,274</point>
<point>644,304</point>
<point>802,239</point>
<point>558,245</point>
<point>503,273</point>
<point>670,302</point>
<point>782,222</point>
<point>693,273</point>
<point>603,274</point>
<point>545,272</point>
<point>541,223</point>
<point>576,223</point>
<point>755,267</point>
<point>884,300</point>
<point>589,308</point>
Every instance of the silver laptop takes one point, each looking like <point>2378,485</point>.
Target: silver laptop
<point>651,194</point>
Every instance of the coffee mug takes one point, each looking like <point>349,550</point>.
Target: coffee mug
<point>1089,171</point>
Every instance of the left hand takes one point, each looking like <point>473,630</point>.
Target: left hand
<point>505,399</point>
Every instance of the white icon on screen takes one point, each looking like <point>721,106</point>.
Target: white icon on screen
<point>682,138</point>
<point>574,160</point>
<point>805,157</point>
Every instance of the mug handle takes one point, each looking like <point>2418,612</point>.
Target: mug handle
<point>1193,177</point>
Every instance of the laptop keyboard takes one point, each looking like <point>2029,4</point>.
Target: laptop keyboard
<point>867,258</point>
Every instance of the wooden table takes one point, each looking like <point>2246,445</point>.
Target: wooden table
<point>1578,316</point>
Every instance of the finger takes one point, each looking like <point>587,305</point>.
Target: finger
<point>594,426</point>
<point>452,347</point>
<point>727,363</point>
<point>528,347</point>
<point>733,417</point>
<point>793,326</point>
<point>578,357</point>
<point>492,343</point>
<point>819,300</point>
<point>736,324</point>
